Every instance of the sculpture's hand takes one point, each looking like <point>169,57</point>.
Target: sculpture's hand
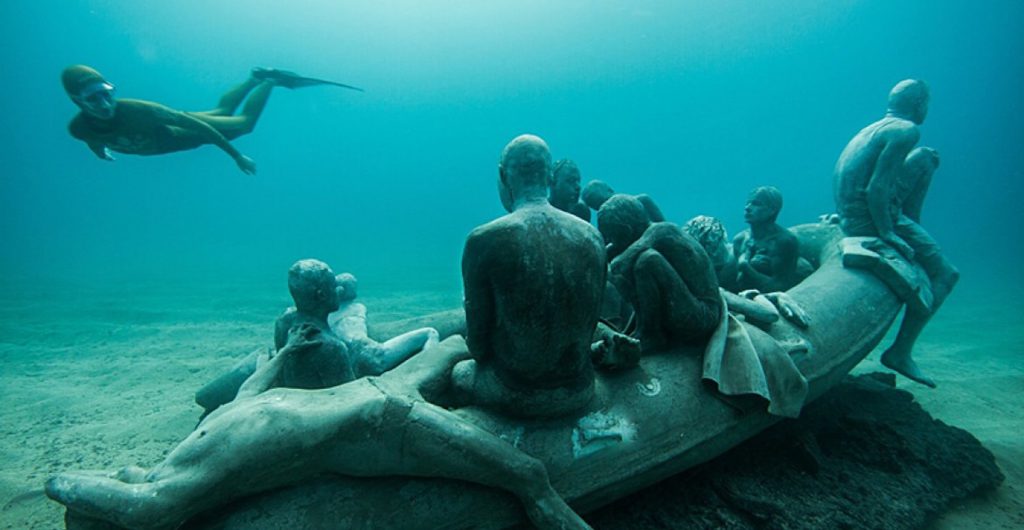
<point>749,294</point>
<point>789,308</point>
<point>301,337</point>
<point>246,164</point>
<point>900,245</point>
<point>829,218</point>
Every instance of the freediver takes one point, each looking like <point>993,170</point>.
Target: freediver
<point>138,127</point>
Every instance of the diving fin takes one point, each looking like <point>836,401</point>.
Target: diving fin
<point>292,80</point>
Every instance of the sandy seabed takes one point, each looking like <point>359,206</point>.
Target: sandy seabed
<point>98,379</point>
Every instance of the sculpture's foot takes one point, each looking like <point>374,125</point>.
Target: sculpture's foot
<point>550,511</point>
<point>616,351</point>
<point>903,364</point>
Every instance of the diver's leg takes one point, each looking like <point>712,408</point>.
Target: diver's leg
<point>234,126</point>
<point>231,99</point>
<point>441,444</point>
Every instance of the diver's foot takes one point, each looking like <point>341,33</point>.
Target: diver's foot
<point>905,365</point>
<point>551,512</point>
<point>281,78</point>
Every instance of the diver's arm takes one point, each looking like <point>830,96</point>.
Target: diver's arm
<point>213,136</point>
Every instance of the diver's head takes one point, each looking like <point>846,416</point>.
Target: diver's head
<point>909,99</point>
<point>313,287</point>
<point>90,91</point>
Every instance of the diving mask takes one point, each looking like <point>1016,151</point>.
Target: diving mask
<point>97,99</point>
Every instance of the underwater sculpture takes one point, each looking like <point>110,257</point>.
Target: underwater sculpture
<point>597,192</point>
<point>378,426</point>
<point>138,127</point>
<point>565,189</point>
<point>756,308</point>
<point>638,426</point>
<point>533,282</point>
<point>767,254</point>
<point>372,357</point>
<point>869,176</point>
<point>663,273</point>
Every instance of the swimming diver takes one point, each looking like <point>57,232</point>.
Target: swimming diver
<point>139,127</point>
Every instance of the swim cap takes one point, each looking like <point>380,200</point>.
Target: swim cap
<point>79,76</point>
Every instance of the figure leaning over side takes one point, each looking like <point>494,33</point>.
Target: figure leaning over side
<point>266,439</point>
<point>879,190</point>
<point>137,127</point>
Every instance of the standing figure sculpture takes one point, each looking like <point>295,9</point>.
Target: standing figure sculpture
<point>370,357</point>
<point>868,186</point>
<point>767,254</point>
<point>565,189</point>
<point>266,439</point>
<point>663,272</point>
<point>533,281</point>
<point>138,127</point>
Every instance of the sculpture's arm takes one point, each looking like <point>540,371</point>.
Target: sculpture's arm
<point>300,337</point>
<point>653,212</point>
<point>882,184</point>
<point>479,297</point>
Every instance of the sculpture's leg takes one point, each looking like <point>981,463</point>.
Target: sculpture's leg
<point>665,306</point>
<point>441,444</point>
<point>899,356</point>
<point>126,504</point>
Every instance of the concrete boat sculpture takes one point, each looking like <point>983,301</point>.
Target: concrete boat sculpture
<point>645,424</point>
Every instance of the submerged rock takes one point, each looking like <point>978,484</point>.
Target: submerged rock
<point>864,455</point>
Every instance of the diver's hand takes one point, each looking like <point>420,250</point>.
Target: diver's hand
<point>246,164</point>
<point>107,156</point>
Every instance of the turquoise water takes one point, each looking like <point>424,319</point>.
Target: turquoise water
<point>694,103</point>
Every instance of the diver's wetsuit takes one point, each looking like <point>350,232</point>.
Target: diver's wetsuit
<point>146,128</point>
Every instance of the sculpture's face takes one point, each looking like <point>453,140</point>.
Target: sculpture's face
<point>757,211</point>
<point>566,189</point>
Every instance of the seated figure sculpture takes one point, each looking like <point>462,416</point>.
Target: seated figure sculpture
<point>663,272</point>
<point>597,192</point>
<point>369,356</point>
<point>266,439</point>
<point>314,289</point>
<point>757,308</point>
<point>565,189</point>
<point>533,281</point>
<point>767,254</point>
<point>870,203</point>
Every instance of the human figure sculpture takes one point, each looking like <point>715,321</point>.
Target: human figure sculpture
<point>138,127</point>
<point>266,439</point>
<point>767,254</point>
<point>565,189</point>
<point>870,203</point>
<point>533,281</point>
<point>370,357</point>
<point>757,308</point>
<point>314,289</point>
<point>663,272</point>
<point>597,192</point>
